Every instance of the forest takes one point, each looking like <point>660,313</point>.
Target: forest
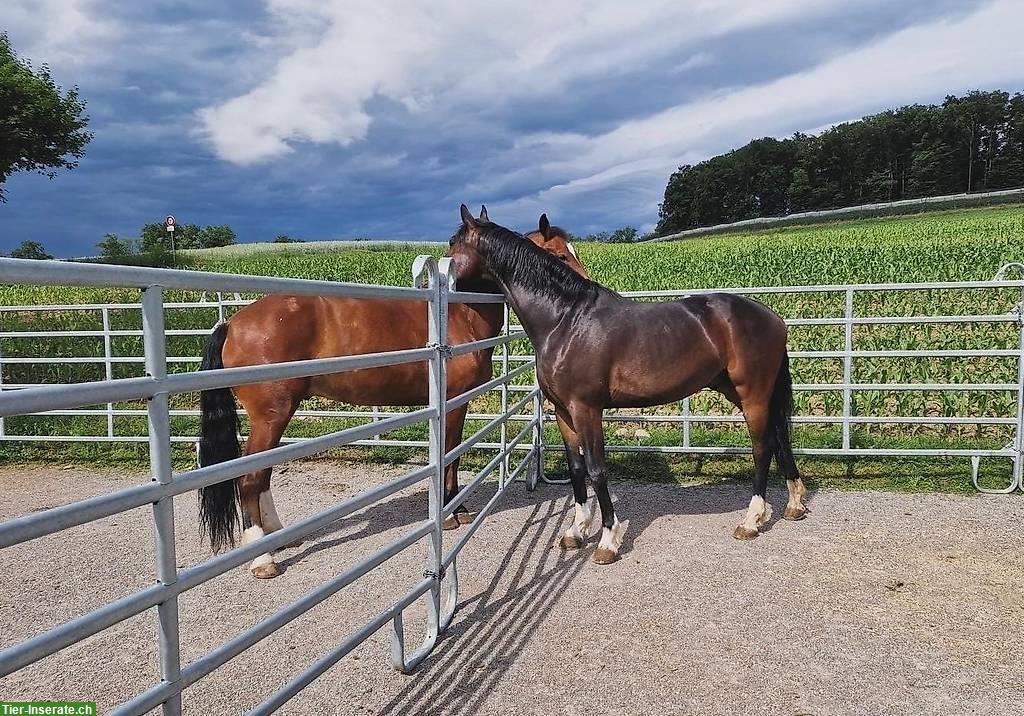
<point>971,143</point>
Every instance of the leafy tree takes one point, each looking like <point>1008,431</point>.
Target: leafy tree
<point>186,236</point>
<point>213,236</point>
<point>624,235</point>
<point>285,239</point>
<point>114,247</point>
<point>154,238</point>
<point>43,128</point>
<point>969,143</point>
<point>30,250</point>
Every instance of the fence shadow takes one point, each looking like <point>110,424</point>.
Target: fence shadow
<point>491,628</point>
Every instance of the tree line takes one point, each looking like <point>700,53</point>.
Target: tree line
<point>966,144</point>
<point>157,243</point>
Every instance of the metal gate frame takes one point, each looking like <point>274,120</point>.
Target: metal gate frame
<point>433,283</point>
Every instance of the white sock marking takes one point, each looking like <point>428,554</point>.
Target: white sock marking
<point>758,513</point>
<point>611,538</point>
<point>796,494</point>
<point>250,535</point>
<point>582,521</point>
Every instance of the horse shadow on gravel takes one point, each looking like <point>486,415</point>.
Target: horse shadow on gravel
<point>644,489</point>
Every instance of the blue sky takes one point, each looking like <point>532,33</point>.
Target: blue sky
<point>328,119</point>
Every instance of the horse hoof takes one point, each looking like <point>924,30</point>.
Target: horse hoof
<point>603,555</point>
<point>266,571</point>
<point>745,533</point>
<point>465,518</point>
<point>568,543</point>
<point>451,522</point>
<point>794,513</point>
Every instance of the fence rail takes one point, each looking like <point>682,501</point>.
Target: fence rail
<point>433,284</point>
<point>515,367</point>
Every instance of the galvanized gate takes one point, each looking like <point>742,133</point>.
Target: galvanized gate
<point>434,284</point>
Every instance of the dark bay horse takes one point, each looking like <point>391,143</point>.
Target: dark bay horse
<point>596,349</point>
<point>289,328</point>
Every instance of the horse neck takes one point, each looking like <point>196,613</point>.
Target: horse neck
<point>538,315</point>
<point>539,312</point>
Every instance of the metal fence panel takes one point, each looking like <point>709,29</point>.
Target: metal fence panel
<point>433,284</point>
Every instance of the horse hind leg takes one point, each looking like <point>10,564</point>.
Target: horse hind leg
<point>781,408</point>
<point>259,513</point>
<point>759,511</point>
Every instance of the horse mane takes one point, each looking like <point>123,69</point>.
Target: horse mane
<point>518,260</point>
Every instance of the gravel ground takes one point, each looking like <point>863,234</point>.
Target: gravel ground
<point>876,604</point>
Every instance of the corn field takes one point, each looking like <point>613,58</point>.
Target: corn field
<point>946,246</point>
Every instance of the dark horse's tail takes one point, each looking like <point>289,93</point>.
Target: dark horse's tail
<point>780,412</point>
<point>218,442</point>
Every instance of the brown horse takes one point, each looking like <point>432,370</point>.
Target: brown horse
<point>596,349</point>
<point>289,328</point>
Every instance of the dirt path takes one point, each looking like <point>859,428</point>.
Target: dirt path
<point>876,604</point>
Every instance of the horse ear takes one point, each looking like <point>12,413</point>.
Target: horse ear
<point>467,217</point>
<point>544,227</point>
<point>483,213</point>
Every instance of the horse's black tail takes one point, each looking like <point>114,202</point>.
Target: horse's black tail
<point>780,412</point>
<point>218,442</point>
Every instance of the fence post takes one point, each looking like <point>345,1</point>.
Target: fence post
<point>848,368</point>
<point>1018,440</point>
<point>163,509</point>
<point>109,369</point>
<point>503,468</point>
<point>437,280</point>
<point>684,411</point>
<point>538,439</point>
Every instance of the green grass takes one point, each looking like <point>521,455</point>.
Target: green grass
<point>941,246</point>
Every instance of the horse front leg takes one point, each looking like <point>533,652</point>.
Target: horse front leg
<point>589,426</point>
<point>579,531</point>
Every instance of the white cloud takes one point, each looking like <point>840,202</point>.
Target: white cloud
<point>447,58</point>
<point>980,50</point>
<point>60,33</point>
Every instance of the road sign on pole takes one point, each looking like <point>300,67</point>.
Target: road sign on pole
<point>169,223</point>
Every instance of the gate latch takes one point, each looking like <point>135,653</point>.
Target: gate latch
<point>443,348</point>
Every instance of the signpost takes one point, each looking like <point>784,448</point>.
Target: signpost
<point>169,223</point>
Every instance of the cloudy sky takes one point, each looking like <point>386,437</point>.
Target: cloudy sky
<point>349,118</point>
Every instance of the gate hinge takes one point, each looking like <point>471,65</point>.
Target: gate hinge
<point>430,574</point>
<point>443,348</point>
